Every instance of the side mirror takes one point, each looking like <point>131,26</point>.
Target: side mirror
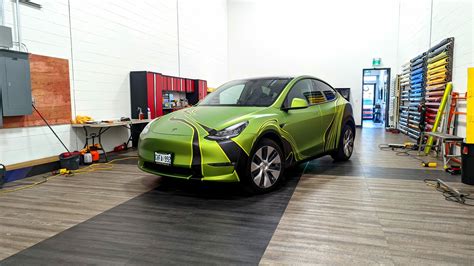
<point>297,103</point>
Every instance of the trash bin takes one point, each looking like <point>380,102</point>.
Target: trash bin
<point>70,160</point>
<point>3,171</point>
<point>467,163</point>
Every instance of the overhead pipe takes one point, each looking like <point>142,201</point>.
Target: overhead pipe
<point>2,13</point>
<point>18,24</point>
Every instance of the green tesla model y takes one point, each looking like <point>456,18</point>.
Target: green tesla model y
<point>250,131</point>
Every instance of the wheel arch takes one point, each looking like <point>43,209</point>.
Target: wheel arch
<point>348,118</point>
<point>274,135</point>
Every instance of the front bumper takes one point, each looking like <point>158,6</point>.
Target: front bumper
<point>194,157</point>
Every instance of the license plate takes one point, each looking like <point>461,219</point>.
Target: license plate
<point>163,158</point>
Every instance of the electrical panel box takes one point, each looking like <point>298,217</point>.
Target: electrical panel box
<point>6,40</point>
<point>15,83</point>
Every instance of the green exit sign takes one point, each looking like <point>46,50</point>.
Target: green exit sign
<point>376,61</point>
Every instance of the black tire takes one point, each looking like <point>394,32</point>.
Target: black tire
<point>265,167</point>
<point>346,144</point>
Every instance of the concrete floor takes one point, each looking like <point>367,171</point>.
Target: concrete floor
<point>374,209</point>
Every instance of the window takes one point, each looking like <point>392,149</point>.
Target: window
<point>302,89</point>
<point>231,96</point>
<point>253,92</point>
<point>324,89</point>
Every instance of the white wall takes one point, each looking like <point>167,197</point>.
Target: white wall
<point>110,39</point>
<point>332,40</point>
<point>203,49</point>
<point>444,19</point>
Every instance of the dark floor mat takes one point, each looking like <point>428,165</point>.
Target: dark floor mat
<point>178,222</point>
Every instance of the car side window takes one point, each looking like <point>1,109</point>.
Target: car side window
<point>302,89</point>
<point>324,90</point>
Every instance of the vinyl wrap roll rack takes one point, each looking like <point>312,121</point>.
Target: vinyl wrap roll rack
<point>417,92</point>
<point>404,98</point>
<point>439,73</point>
<point>422,84</point>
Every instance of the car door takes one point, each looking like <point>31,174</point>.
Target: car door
<point>327,108</point>
<point>303,124</point>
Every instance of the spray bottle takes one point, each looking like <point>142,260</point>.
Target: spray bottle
<point>141,116</point>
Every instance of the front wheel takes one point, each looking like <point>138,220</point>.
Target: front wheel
<point>346,144</point>
<point>264,170</point>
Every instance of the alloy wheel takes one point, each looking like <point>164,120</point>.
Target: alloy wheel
<point>265,167</point>
<point>348,142</point>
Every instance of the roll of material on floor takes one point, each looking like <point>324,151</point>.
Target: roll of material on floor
<point>439,115</point>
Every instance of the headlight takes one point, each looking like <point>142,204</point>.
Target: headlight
<point>227,133</point>
<point>147,127</point>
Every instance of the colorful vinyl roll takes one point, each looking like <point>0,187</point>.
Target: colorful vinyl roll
<point>439,50</point>
<point>416,67</point>
<point>441,62</point>
<point>438,57</point>
<point>436,87</point>
<point>436,81</point>
<point>434,93</point>
<point>439,115</point>
<point>437,75</point>
<point>433,99</point>
<point>437,70</point>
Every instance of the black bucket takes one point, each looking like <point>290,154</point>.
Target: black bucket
<point>467,163</point>
<point>3,170</point>
<point>70,160</point>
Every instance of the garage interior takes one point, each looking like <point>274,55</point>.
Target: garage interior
<point>80,80</point>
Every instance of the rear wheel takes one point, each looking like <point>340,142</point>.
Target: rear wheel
<point>265,167</point>
<point>346,144</point>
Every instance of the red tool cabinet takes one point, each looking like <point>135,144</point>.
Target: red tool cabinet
<point>202,88</point>
<point>146,91</point>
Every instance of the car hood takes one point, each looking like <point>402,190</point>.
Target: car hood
<point>212,117</point>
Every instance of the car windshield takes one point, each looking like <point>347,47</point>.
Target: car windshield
<point>252,92</point>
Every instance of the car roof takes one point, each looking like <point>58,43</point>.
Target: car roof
<point>269,77</point>
<point>280,77</point>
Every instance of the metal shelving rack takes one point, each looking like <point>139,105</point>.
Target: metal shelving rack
<point>416,96</point>
<point>404,98</point>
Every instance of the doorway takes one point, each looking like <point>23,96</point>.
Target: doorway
<point>375,97</point>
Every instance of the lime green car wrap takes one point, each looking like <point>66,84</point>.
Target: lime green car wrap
<point>302,134</point>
